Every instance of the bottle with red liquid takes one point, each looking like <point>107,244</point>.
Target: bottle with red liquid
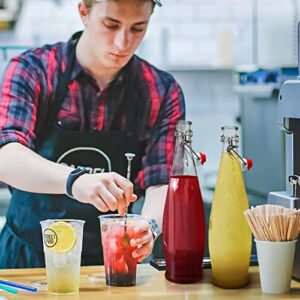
<point>184,219</point>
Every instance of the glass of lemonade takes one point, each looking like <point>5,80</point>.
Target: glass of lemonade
<point>62,241</point>
<point>116,233</point>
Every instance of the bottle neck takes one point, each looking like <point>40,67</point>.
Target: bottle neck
<point>184,160</point>
<point>229,138</point>
<point>228,146</point>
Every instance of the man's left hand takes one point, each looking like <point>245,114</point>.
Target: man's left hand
<point>144,241</point>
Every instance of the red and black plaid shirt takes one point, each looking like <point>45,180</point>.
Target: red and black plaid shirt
<point>27,90</point>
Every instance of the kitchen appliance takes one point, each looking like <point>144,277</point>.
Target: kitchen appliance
<point>288,119</point>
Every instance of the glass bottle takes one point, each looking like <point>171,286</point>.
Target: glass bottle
<point>229,235</point>
<point>184,220</point>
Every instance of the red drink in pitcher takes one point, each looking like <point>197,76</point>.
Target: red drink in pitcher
<point>184,233</point>
<point>184,219</point>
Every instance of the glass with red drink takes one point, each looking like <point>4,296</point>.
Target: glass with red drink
<point>116,233</point>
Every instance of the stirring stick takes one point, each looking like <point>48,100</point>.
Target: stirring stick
<point>273,223</point>
<point>294,228</point>
<point>252,227</point>
<point>257,226</point>
<point>260,227</point>
<point>130,157</point>
<point>266,227</point>
<point>289,234</point>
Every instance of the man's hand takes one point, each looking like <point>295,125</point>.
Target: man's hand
<point>144,242</point>
<point>106,191</point>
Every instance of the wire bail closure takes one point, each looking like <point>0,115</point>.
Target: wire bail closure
<point>232,148</point>
<point>201,157</point>
<point>295,181</point>
<point>246,163</point>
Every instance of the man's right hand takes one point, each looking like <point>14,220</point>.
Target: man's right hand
<point>106,191</point>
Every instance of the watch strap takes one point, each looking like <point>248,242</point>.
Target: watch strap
<point>72,177</point>
<point>155,229</point>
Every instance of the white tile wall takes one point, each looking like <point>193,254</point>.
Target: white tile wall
<point>46,21</point>
<point>183,32</point>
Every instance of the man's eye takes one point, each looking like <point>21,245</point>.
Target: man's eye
<point>137,29</point>
<point>111,26</point>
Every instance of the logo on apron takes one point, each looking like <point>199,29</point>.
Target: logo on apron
<point>95,160</point>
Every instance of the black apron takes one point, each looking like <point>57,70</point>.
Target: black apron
<point>21,237</point>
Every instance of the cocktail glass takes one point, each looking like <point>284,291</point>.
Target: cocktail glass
<point>116,233</point>
<point>62,241</point>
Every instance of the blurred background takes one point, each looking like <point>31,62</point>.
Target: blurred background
<point>229,56</point>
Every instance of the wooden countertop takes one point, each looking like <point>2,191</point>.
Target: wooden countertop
<point>151,284</point>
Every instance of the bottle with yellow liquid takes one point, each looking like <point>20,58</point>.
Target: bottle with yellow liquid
<point>229,234</point>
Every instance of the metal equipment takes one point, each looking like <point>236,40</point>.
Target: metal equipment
<point>288,119</point>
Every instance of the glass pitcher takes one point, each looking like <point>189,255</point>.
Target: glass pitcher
<point>229,235</point>
<point>184,220</point>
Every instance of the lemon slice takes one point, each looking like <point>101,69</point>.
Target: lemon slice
<point>129,222</point>
<point>60,237</point>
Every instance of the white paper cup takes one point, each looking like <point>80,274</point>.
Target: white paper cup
<point>275,265</point>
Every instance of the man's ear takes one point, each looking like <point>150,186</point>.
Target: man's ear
<point>83,12</point>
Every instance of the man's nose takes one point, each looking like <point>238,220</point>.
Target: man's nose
<point>122,40</point>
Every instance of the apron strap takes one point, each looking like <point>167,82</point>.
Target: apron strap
<point>131,101</point>
<point>64,79</point>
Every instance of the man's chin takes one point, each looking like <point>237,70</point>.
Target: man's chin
<point>118,65</point>
<point>117,62</point>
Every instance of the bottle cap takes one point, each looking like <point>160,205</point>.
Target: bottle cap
<point>249,163</point>
<point>246,164</point>
<point>202,158</point>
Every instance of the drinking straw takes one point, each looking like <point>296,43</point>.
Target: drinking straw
<point>8,289</point>
<point>17,285</point>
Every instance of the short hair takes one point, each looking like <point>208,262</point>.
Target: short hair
<point>90,3</point>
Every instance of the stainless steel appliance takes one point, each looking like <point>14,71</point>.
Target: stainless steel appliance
<point>288,119</point>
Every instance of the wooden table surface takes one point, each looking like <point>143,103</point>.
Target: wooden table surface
<point>151,284</point>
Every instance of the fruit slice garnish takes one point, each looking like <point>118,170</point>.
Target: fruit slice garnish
<point>121,266</point>
<point>60,237</point>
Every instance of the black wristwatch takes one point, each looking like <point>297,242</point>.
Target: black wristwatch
<point>155,229</point>
<point>72,177</point>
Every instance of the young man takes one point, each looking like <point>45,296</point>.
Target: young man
<point>85,103</point>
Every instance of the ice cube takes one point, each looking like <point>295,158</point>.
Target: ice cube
<point>59,260</point>
<point>113,246</point>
